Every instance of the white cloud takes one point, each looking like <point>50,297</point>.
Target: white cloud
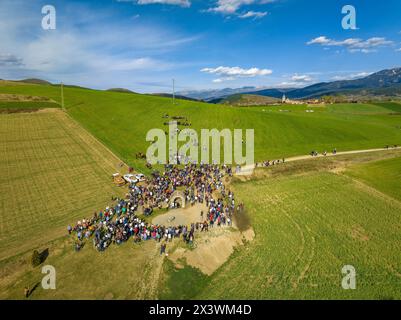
<point>85,51</point>
<point>398,50</point>
<point>353,44</point>
<point>233,73</point>
<point>352,76</point>
<point>146,64</point>
<point>230,7</point>
<point>182,3</point>
<point>288,84</point>
<point>253,14</point>
<point>219,80</point>
<point>301,78</point>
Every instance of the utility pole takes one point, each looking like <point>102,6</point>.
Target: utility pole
<point>62,97</point>
<point>173,91</point>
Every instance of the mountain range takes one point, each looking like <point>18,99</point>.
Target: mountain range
<point>384,83</point>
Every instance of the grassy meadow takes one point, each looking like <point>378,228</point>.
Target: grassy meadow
<point>310,220</point>
<point>384,175</point>
<point>121,121</point>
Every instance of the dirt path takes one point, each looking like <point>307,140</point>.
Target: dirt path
<point>247,170</point>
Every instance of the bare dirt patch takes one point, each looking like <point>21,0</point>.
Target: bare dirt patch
<point>22,98</point>
<point>212,250</point>
<point>181,216</point>
<point>359,233</point>
<point>19,110</point>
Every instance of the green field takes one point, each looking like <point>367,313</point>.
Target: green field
<point>383,175</point>
<point>122,120</point>
<point>51,174</point>
<point>27,105</point>
<point>364,109</point>
<point>309,223</point>
<point>310,217</point>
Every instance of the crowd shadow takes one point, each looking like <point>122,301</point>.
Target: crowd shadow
<point>43,255</point>
<point>29,291</point>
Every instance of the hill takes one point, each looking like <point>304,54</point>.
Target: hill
<point>35,81</point>
<point>121,121</point>
<point>123,90</point>
<point>274,93</point>
<point>207,95</point>
<point>169,95</point>
<point>245,100</point>
<point>385,82</point>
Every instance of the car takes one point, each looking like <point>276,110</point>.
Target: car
<point>131,178</point>
<point>140,177</point>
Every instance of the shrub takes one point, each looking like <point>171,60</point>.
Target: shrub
<point>36,259</point>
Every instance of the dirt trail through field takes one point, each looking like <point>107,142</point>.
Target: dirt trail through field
<point>248,169</point>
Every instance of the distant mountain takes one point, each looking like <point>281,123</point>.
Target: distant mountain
<point>245,100</point>
<point>169,95</point>
<point>385,79</point>
<point>122,90</point>
<point>385,82</point>
<point>274,93</point>
<point>35,81</point>
<point>207,95</point>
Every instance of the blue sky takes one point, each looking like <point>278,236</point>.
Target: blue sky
<point>141,45</point>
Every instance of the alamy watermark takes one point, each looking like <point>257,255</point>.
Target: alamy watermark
<point>349,280</point>
<point>49,20</point>
<point>349,20</point>
<point>208,147</point>
<point>49,280</point>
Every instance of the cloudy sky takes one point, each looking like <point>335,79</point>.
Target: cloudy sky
<point>202,44</point>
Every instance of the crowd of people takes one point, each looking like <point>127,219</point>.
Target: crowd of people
<point>122,221</point>
<point>324,153</point>
<point>269,163</point>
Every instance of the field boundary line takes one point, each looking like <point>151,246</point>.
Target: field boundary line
<point>371,190</point>
<point>95,139</point>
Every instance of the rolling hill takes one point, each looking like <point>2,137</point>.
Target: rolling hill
<point>245,100</point>
<point>383,82</point>
<point>169,95</point>
<point>122,90</point>
<point>121,121</point>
